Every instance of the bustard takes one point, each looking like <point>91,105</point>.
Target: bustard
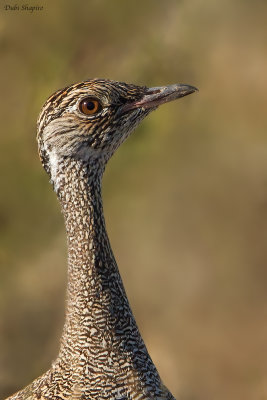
<point>102,354</point>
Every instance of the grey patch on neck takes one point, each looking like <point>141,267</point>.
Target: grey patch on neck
<point>86,153</point>
<point>95,158</point>
<point>53,168</point>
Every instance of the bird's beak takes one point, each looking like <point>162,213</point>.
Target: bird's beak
<point>156,96</point>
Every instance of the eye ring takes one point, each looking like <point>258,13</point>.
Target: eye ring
<point>90,106</point>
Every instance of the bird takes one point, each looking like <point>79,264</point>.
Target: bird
<point>101,354</point>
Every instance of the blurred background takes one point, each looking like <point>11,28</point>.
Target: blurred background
<point>185,197</point>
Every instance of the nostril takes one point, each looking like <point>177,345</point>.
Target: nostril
<point>154,90</point>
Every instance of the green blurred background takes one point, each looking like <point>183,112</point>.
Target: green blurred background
<point>185,197</point>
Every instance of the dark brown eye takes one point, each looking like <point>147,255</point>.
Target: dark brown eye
<point>90,106</point>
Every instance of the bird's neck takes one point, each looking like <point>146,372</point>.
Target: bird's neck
<point>100,333</point>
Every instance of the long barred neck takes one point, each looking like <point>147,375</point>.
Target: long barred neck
<point>100,335</point>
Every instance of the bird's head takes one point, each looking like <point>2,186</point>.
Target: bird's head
<point>88,121</point>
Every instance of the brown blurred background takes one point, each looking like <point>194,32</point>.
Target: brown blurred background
<point>185,197</point>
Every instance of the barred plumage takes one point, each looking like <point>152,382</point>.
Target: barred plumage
<point>102,355</point>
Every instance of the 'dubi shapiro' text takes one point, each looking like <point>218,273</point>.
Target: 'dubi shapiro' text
<point>23,7</point>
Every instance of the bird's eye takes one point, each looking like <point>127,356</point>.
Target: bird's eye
<point>90,106</point>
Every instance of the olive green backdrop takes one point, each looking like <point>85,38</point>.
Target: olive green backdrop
<point>185,197</point>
